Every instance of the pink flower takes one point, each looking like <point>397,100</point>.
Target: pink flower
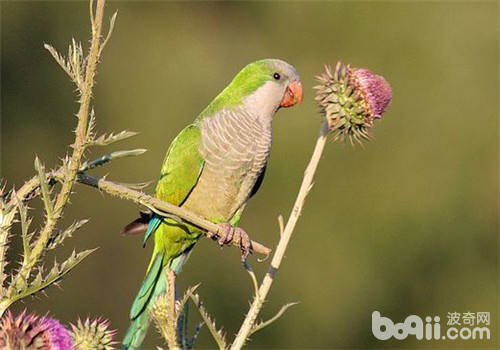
<point>56,334</point>
<point>30,331</point>
<point>374,89</point>
<point>351,99</point>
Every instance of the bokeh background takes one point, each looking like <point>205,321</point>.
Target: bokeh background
<point>406,225</point>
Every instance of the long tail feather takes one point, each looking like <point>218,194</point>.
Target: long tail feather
<point>154,285</point>
<point>136,332</point>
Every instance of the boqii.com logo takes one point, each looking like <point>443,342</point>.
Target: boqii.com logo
<point>468,325</point>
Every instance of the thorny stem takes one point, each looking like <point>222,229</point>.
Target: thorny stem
<point>249,323</point>
<point>79,147</point>
<point>216,334</point>
<point>6,219</point>
<point>171,324</point>
<point>25,191</point>
<point>164,313</point>
<point>162,208</point>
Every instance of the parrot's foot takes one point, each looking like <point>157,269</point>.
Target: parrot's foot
<point>229,235</point>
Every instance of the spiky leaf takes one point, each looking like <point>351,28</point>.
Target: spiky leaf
<point>105,140</point>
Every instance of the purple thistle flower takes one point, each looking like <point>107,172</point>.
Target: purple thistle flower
<point>374,89</point>
<point>351,99</point>
<point>56,334</point>
<point>30,331</point>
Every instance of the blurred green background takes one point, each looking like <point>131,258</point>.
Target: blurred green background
<point>406,225</point>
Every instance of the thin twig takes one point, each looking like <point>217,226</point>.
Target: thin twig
<point>218,335</point>
<point>280,313</point>
<point>162,208</point>
<point>248,323</point>
<point>250,271</point>
<point>170,321</point>
<point>109,157</point>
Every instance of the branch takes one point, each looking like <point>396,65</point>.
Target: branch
<point>127,191</point>
<point>158,206</point>
<point>75,160</point>
<point>31,188</point>
<point>54,209</point>
<point>248,327</point>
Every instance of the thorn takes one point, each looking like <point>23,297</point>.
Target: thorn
<point>281,224</point>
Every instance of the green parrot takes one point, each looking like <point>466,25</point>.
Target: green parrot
<point>212,168</point>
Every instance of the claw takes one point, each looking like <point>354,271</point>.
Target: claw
<point>244,242</point>
<point>229,234</point>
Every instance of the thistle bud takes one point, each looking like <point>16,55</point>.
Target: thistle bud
<point>28,331</point>
<point>92,335</point>
<point>351,99</point>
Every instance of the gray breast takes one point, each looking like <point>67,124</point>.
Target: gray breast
<point>236,148</point>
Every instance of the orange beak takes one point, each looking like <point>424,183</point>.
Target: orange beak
<point>293,95</point>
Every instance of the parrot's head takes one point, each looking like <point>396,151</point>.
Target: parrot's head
<point>270,84</point>
<point>261,88</point>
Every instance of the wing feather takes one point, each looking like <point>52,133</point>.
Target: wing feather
<point>182,167</point>
<point>180,172</point>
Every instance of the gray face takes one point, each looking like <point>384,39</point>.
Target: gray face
<point>286,71</point>
<point>266,100</point>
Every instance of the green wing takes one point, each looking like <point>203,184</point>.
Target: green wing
<point>182,167</point>
<point>179,173</point>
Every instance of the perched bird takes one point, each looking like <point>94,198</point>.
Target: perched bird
<point>212,168</point>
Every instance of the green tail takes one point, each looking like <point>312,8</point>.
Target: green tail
<point>154,285</point>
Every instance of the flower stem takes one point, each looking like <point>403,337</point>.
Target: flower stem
<point>249,322</point>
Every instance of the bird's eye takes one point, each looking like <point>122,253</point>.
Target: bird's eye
<point>276,76</point>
